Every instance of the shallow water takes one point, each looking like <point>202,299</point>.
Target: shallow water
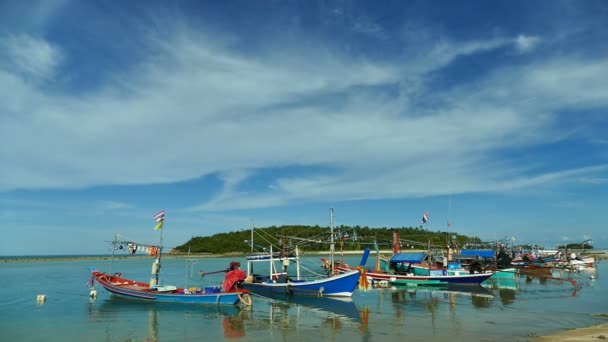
<point>537,307</point>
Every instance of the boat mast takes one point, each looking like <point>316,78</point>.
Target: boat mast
<point>331,243</point>
<point>156,264</point>
<point>160,253</point>
<point>252,226</point>
<point>114,243</point>
<point>429,255</point>
<point>271,264</point>
<point>283,253</point>
<point>297,262</point>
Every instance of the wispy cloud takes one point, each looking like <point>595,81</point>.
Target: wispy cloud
<point>594,180</point>
<point>525,43</point>
<point>33,57</point>
<point>200,107</point>
<point>114,205</point>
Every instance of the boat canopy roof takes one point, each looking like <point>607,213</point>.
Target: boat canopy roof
<point>483,253</point>
<point>268,257</point>
<point>408,257</point>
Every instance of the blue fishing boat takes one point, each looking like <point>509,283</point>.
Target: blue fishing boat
<point>229,293</point>
<point>126,288</point>
<point>480,260</point>
<point>408,267</point>
<point>278,280</point>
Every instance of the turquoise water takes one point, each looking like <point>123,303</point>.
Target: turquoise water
<point>537,307</point>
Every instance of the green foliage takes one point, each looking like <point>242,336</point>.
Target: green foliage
<point>575,246</point>
<point>315,238</point>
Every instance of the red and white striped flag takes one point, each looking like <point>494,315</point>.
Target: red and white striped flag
<point>425,217</point>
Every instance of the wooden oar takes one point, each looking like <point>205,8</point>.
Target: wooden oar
<point>203,274</point>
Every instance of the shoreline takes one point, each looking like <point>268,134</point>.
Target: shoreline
<point>592,333</point>
<point>47,258</point>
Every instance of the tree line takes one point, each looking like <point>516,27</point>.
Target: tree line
<point>317,238</point>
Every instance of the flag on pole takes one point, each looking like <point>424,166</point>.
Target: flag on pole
<point>425,217</point>
<point>160,219</point>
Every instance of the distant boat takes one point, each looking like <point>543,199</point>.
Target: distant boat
<point>480,260</point>
<point>576,263</point>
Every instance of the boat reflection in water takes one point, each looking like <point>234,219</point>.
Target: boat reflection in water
<point>329,307</point>
<point>301,313</point>
<point>480,296</point>
<point>507,296</point>
<point>291,315</point>
<point>181,319</point>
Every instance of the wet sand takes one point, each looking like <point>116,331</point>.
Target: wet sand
<point>594,333</point>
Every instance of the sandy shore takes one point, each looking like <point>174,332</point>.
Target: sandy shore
<point>594,333</point>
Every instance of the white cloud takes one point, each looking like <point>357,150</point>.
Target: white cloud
<point>594,180</point>
<point>113,205</point>
<point>198,108</point>
<point>525,43</point>
<point>33,57</point>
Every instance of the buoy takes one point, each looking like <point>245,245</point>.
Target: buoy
<point>41,299</point>
<point>93,294</point>
<point>592,276</point>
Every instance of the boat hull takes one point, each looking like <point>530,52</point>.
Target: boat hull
<point>503,279</point>
<point>140,291</point>
<point>461,279</point>
<point>341,285</point>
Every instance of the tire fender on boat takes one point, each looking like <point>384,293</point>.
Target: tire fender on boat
<point>244,298</point>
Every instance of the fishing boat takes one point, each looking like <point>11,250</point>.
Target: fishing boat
<point>279,280</point>
<point>117,285</point>
<point>576,263</point>
<point>481,260</point>
<point>400,269</point>
<point>229,293</point>
<point>282,280</point>
<point>415,268</point>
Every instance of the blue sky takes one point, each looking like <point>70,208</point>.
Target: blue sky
<point>491,114</point>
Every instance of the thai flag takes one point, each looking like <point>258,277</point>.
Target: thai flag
<point>425,217</point>
<point>160,216</point>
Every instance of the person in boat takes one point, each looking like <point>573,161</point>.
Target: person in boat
<point>503,260</point>
<point>476,265</point>
<point>234,277</point>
